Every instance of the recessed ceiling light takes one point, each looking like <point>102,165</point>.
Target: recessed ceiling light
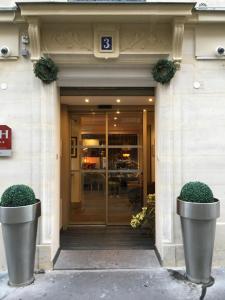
<point>150,99</point>
<point>115,118</point>
<point>114,125</point>
<point>118,100</point>
<point>87,100</point>
<point>118,112</point>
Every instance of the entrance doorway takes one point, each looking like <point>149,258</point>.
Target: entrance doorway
<point>107,165</point>
<point>111,170</point>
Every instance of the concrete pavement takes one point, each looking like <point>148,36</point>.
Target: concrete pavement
<point>156,283</point>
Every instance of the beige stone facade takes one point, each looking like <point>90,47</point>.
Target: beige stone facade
<point>190,111</point>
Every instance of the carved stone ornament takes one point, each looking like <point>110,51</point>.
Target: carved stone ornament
<point>72,39</point>
<point>149,38</point>
<point>124,39</point>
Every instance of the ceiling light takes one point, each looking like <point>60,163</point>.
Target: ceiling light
<point>87,100</point>
<point>118,112</point>
<point>150,99</point>
<point>115,118</point>
<point>118,100</point>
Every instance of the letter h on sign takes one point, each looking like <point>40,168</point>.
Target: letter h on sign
<point>4,134</point>
<point>5,140</point>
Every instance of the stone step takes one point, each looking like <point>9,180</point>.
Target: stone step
<point>106,259</point>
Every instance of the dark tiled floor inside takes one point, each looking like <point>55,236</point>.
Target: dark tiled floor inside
<point>105,238</point>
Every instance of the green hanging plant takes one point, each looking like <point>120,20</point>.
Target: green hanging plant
<point>46,70</point>
<point>164,70</point>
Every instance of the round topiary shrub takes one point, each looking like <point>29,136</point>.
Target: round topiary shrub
<point>196,192</point>
<point>18,195</point>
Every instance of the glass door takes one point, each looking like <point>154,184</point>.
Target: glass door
<point>125,187</point>
<point>107,168</point>
<point>89,170</point>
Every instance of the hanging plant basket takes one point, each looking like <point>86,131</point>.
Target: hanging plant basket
<point>46,70</point>
<point>164,71</point>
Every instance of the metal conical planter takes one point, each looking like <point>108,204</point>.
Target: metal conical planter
<point>198,222</point>
<point>19,228</point>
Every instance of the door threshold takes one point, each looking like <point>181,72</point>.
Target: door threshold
<point>97,225</point>
<point>86,225</point>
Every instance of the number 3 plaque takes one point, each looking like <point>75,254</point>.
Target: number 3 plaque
<point>106,41</point>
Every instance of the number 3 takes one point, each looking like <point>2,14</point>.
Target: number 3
<point>106,43</point>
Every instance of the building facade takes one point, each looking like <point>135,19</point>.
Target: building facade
<point>187,128</point>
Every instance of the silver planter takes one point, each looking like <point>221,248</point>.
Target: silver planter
<point>19,228</point>
<point>198,222</point>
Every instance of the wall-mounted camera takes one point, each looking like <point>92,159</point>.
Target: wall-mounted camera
<point>25,39</point>
<point>220,51</point>
<point>24,42</point>
<point>5,51</point>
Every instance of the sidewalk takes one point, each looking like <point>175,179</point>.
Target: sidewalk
<point>155,284</point>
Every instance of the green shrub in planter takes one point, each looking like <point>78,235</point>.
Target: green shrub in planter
<point>18,195</point>
<point>198,211</point>
<point>196,192</point>
<point>19,213</point>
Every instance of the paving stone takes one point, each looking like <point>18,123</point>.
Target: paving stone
<point>155,283</point>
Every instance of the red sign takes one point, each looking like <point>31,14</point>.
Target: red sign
<point>5,140</point>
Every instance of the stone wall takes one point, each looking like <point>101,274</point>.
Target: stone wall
<point>190,144</point>
<point>20,109</point>
<point>195,147</point>
<point>31,109</point>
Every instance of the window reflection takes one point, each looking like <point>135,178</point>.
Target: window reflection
<point>125,196</point>
<point>123,139</point>
<point>93,158</point>
<point>93,139</point>
<point>123,158</point>
<point>91,208</point>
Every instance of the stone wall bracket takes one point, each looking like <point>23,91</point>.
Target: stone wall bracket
<point>177,43</point>
<point>34,37</point>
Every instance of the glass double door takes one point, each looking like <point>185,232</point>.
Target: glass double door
<point>107,168</point>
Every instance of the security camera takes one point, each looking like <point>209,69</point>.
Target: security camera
<point>220,51</point>
<point>5,51</point>
<point>202,6</point>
